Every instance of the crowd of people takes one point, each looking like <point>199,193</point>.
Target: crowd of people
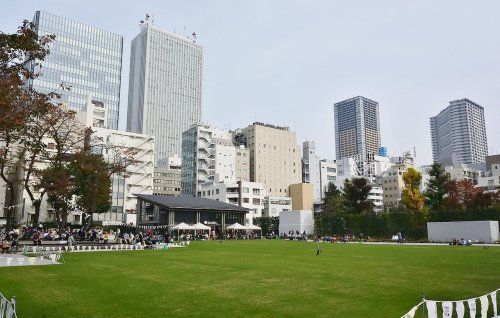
<point>9,240</point>
<point>291,235</point>
<point>461,242</point>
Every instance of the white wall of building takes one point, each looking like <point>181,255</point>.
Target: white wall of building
<point>328,174</point>
<point>274,205</point>
<point>300,220</point>
<point>483,231</point>
<point>252,195</point>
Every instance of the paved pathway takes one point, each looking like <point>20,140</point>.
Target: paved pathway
<point>418,244</point>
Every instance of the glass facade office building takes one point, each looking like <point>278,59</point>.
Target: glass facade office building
<point>84,58</point>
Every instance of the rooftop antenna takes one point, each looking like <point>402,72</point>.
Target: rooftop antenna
<point>194,36</point>
<point>414,152</point>
<point>148,20</point>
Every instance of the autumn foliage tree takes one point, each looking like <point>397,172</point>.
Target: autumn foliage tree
<point>411,198</point>
<point>20,106</point>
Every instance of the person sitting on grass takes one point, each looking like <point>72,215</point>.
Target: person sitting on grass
<point>4,244</point>
<point>148,242</point>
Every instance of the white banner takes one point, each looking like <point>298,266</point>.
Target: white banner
<point>460,309</point>
<point>494,303</point>
<point>431,309</point>
<point>472,307</point>
<point>484,306</point>
<point>447,309</point>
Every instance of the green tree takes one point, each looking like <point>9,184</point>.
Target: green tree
<point>59,185</point>
<point>355,196</point>
<point>330,219</point>
<point>333,199</point>
<point>411,198</point>
<point>92,182</point>
<point>436,187</point>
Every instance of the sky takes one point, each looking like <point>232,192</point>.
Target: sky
<point>287,62</point>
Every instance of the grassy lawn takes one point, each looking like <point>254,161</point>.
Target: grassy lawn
<point>252,279</point>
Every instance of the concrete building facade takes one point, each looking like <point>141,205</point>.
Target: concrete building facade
<point>245,194</point>
<point>302,196</point>
<point>273,205</point>
<point>275,159</point>
<point>463,172</point>
<point>318,172</point>
<point>458,134</point>
<point>393,185</point>
<point>328,174</point>
<point>113,144</point>
<point>210,156</point>
<point>165,88</point>
<point>167,180</point>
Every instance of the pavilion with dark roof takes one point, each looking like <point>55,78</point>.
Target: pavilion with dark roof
<point>158,210</point>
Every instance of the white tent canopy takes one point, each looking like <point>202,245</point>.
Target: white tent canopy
<point>252,227</point>
<point>200,226</point>
<point>236,226</point>
<point>183,226</point>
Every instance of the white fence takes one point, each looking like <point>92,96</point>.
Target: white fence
<point>7,307</point>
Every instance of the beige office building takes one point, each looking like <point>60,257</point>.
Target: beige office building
<point>302,196</point>
<point>275,158</point>
<point>392,184</point>
<point>167,179</point>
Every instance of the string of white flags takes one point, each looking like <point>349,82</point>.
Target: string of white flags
<point>103,248</point>
<point>12,206</point>
<point>473,306</point>
<point>7,307</point>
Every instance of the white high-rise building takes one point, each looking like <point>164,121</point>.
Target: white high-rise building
<point>458,134</point>
<point>317,172</point>
<point>209,156</point>
<point>165,88</point>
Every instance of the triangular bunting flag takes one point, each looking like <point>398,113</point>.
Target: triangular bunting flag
<point>460,308</point>
<point>447,309</point>
<point>484,306</point>
<point>494,303</point>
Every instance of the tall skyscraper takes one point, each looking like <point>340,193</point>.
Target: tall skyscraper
<point>357,127</point>
<point>84,58</point>
<point>458,134</point>
<point>165,88</point>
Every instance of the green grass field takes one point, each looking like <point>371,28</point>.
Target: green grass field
<point>252,279</point>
